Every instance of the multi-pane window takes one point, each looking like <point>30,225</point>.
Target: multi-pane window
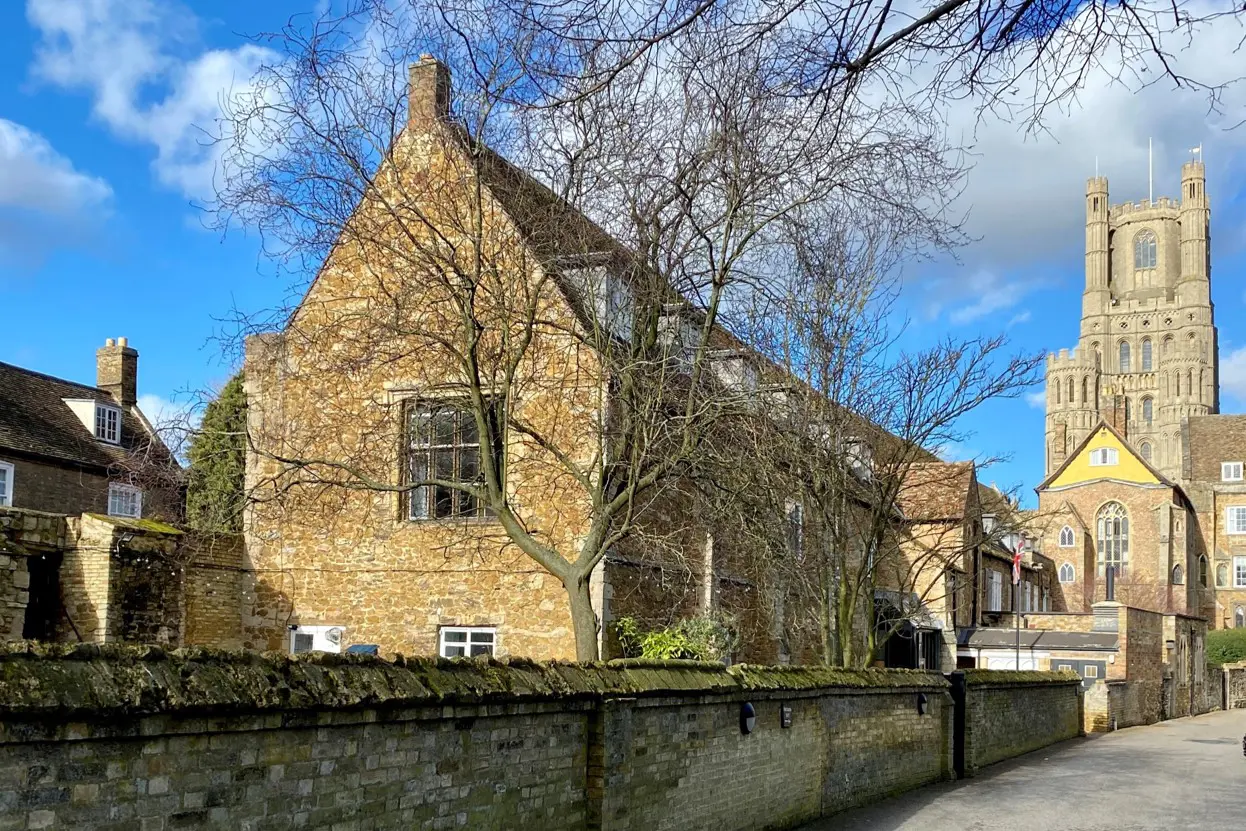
<point>1239,572</point>
<point>1235,519</point>
<point>1113,538</point>
<point>1230,471</point>
<point>107,423</point>
<point>465,641</point>
<point>1103,457</point>
<point>1124,355</point>
<point>1144,250</point>
<point>6,484</point>
<point>1066,537</point>
<point>125,501</point>
<point>994,592</point>
<point>1148,411</point>
<point>1146,355</point>
<point>1066,573</point>
<point>443,452</point>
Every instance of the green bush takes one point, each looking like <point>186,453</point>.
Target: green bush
<point>700,638</point>
<point>1226,646</point>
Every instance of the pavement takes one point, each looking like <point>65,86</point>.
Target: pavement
<point>1184,773</point>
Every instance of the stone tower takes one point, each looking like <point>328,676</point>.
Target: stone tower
<point>1147,354</point>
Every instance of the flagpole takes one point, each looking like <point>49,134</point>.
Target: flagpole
<point>1150,172</point>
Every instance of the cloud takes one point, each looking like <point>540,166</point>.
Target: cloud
<point>45,202</point>
<point>1233,374</point>
<point>990,291</point>
<point>1019,318</point>
<point>137,60</point>
<point>1037,399</point>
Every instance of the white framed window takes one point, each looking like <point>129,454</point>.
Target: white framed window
<point>125,501</point>
<point>995,592</point>
<point>1066,537</point>
<point>1067,574</point>
<point>6,485</point>
<point>107,423</point>
<point>1239,572</point>
<point>1235,519</point>
<point>465,641</point>
<point>1090,671</point>
<point>1230,471</point>
<point>1103,457</point>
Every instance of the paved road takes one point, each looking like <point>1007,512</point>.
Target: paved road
<point>1186,773</point>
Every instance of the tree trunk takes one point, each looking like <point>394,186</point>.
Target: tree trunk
<point>583,618</point>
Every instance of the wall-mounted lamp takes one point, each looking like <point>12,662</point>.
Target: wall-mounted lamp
<point>748,718</point>
<point>921,704</point>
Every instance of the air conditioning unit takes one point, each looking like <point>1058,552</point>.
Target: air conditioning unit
<point>309,638</point>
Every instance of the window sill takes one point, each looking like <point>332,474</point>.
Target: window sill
<point>451,520</point>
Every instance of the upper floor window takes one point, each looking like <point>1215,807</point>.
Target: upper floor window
<point>1146,355</point>
<point>108,423</point>
<point>995,592</point>
<point>1066,573</point>
<point>1145,450</point>
<point>1222,576</point>
<point>1124,362</point>
<point>1113,528</point>
<point>6,485</point>
<point>1148,411</point>
<point>1103,457</point>
<point>1230,471</point>
<point>443,453</point>
<point>1066,537</point>
<point>125,501</point>
<point>1235,519</point>
<point>1178,576</point>
<point>1144,250</point>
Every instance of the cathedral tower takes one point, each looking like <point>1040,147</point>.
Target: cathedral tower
<point>1146,355</point>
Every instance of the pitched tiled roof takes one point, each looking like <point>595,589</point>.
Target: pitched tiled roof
<point>36,421</point>
<point>936,491</point>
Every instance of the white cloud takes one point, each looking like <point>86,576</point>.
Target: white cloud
<point>1019,318</point>
<point>1233,374</point>
<point>1037,399</point>
<point>44,201</point>
<point>136,58</point>
<point>990,291</point>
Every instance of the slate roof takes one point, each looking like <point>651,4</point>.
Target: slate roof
<point>36,421</point>
<point>936,491</point>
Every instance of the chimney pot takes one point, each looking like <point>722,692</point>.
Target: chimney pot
<point>123,341</point>
<point>428,96</point>
<point>108,342</point>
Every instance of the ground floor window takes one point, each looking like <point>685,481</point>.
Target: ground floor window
<point>125,501</point>
<point>1239,572</point>
<point>465,641</point>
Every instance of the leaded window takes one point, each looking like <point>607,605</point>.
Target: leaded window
<point>1144,250</point>
<point>1124,356</point>
<point>443,455</point>
<point>1146,355</point>
<point>1148,411</point>
<point>1067,573</point>
<point>1113,538</point>
<point>1066,537</point>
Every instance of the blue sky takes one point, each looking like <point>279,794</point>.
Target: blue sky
<point>102,162</point>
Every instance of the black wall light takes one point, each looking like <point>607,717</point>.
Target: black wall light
<point>748,718</point>
<point>921,704</point>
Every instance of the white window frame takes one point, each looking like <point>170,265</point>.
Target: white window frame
<point>1239,572</point>
<point>6,498</point>
<point>1072,571</point>
<point>470,633</point>
<point>1230,471</point>
<point>1067,533</point>
<point>1235,519</point>
<point>994,592</point>
<point>104,431</point>
<point>1104,457</point>
<point>119,489</point>
<point>1090,671</point>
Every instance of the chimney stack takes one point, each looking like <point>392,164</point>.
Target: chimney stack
<point>428,97</point>
<point>116,371</point>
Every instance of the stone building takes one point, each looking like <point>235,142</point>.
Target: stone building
<point>1146,356</point>
<point>1215,456</point>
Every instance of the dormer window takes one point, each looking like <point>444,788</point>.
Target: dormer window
<point>107,423</point>
<point>1103,457</point>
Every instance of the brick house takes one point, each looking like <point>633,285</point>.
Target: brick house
<point>1215,453</point>
<point>87,491</point>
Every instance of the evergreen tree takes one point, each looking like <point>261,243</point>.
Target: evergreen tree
<point>214,494</point>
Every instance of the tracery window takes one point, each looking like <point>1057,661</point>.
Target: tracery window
<point>1066,537</point>
<point>1146,354</point>
<point>1113,538</point>
<point>1144,250</point>
<point>1124,361</point>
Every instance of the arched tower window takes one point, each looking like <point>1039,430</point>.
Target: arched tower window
<point>1148,411</point>
<point>1066,573</point>
<point>1113,538</point>
<point>1144,250</point>
<point>1178,576</point>
<point>1058,390</point>
<point>1189,382</point>
<point>1066,537</point>
<point>1085,386</point>
<point>1070,389</point>
<point>1124,362</point>
<point>1176,383</point>
<point>1145,450</point>
<point>1128,410</point>
<point>1146,354</point>
<point>1166,349</point>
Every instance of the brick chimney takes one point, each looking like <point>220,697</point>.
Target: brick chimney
<point>116,371</point>
<point>428,99</point>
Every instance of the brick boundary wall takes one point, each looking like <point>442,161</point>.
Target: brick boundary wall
<point>100,736</point>
<point>1009,713</point>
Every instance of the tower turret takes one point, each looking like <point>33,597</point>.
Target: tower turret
<point>1095,299</point>
<point>1194,287</point>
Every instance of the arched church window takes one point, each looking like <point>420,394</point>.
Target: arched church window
<point>1239,617</point>
<point>1178,576</point>
<point>1113,538</point>
<point>1128,410</point>
<point>1146,354</point>
<point>1144,250</point>
<point>1066,537</point>
<point>1145,450</point>
<point>1189,382</point>
<point>1066,573</point>
<point>1222,575</point>
<point>1176,383</point>
<point>1202,570</point>
<point>1070,389</point>
<point>1124,361</point>
<point>1148,411</point>
<point>1166,349</point>
<point>1085,386</point>
<point>1057,392</point>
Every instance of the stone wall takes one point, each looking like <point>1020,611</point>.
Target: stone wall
<point>1011,713</point>
<point>1234,686</point>
<point>108,736</point>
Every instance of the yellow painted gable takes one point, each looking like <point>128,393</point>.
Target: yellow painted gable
<point>1129,468</point>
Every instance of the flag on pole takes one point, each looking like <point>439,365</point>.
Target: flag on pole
<point>1016,563</point>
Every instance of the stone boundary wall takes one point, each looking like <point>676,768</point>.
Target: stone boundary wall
<point>1008,713</point>
<point>98,736</point>
<point>1234,686</point>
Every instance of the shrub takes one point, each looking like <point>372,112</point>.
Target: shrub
<point>702,638</point>
<point>1226,646</point>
